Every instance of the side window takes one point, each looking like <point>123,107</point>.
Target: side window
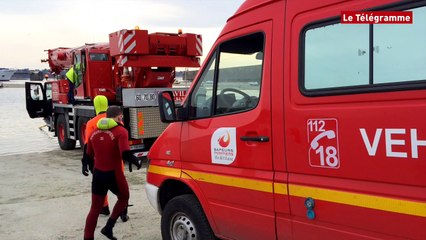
<point>98,57</point>
<point>201,98</point>
<point>78,68</point>
<point>239,74</point>
<point>36,92</point>
<point>343,58</point>
<point>336,56</point>
<point>48,91</point>
<point>400,50</point>
<point>233,83</point>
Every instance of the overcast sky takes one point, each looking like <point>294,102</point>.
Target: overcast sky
<point>28,27</point>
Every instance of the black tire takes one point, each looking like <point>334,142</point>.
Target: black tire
<point>183,219</point>
<point>82,121</point>
<point>61,128</point>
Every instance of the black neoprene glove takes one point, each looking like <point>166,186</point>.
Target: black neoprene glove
<point>131,159</point>
<point>84,168</point>
<point>86,163</point>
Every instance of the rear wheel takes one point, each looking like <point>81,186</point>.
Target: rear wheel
<point>61,128</point>
<point>183,219</point>
<point>82,122</point>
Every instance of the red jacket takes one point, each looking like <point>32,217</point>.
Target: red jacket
<point>107,146</point>
<point>91,126</point>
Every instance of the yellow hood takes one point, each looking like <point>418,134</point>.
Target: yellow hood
<point>101,104</point>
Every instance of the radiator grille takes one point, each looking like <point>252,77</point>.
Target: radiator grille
<point>145,122</point>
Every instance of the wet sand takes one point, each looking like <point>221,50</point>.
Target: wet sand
<point>45,196</point>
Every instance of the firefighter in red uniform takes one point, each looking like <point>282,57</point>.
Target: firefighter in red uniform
<point>108,146</point>
<point>100,103</point>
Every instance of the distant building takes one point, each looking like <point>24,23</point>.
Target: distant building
<point>21,74</point>
<point>39,75</point>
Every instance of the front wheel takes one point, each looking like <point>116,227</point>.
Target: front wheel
<point>61,128</point>
<point>183,219</point>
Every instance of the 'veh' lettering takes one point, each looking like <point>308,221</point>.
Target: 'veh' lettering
<point>371,148</point>
<point>415,143</point>
<point>393,137</point>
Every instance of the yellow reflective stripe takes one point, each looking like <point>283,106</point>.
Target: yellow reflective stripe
<point>263,186</point>
<point>360,200</point>
<point>166,171</point>
<point>280,188</point>
<point>335,196</point>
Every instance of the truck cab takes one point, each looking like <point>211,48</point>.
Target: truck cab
<point>50,99</point>
<point>298,126</point>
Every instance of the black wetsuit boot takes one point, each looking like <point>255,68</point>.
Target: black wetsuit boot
<point>105,211</point>
<point>107,230</point>
<point>124,217</point>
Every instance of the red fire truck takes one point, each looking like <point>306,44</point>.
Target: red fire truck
<point>129,70</point>
<point>299,126</point>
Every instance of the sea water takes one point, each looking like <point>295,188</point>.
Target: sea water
<point>18,132</point>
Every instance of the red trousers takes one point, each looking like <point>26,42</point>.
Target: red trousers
<point>116,182</point>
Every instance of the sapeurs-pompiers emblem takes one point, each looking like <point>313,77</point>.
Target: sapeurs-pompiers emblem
<point>224,146</point>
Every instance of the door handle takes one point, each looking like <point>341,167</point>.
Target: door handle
<point>255,139</point>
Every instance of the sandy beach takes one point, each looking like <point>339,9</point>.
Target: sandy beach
<point>45,196</point>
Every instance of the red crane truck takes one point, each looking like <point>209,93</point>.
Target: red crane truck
<point>129,70</point>
<point>300,126</point>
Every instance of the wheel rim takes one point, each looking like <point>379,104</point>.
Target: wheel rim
<point>61,132</point>
<point>182,228</point>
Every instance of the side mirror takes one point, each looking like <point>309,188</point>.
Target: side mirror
<point>259,56</point>
<point>166,103</point>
